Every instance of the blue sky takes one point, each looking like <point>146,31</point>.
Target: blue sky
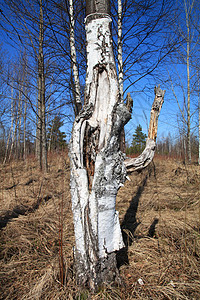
<point>142,101</point>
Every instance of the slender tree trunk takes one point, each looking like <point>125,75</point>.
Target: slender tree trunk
<point>199,133</point>
<point>188,82</point>
<point>14,134</point>
<point>120,60</point>
<point>11,126</point>
<point>25,112</point>
<point>48,105</point>
<point>18,148</point>
<point>120,70</point>
<point>76,87</point>
<point>39,130</point>
<point>50,137</point>
<point>199,113</point>
<point>42,149</point>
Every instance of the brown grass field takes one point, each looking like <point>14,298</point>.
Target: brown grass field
<point>159,212</point>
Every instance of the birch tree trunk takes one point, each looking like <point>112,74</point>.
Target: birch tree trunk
<point>119,54</point>
<point>97,169</point>
<point>76,87</point>
<point>188,83</point>
<point>97,164</point>
<point>120,69</point>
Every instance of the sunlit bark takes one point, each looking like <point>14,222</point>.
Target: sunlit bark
<point>97,169</point>
<point>143,160</point>
<point>97,164</point>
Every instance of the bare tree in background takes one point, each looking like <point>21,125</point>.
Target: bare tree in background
<point>11,126</point>
<point>29,27</point>
<point>77,92</point>
<point>183,82</point>
<point>119,50</point>
<point>41,142</point>
<point>198,95</point>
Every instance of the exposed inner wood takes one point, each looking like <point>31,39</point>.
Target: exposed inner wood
<point>90,150</point>
<point>97,164</point>
<point>97,169</point>
<point>144,159</point>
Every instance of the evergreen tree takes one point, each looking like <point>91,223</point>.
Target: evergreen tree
<point>139,140</point>
<point>55,137</point>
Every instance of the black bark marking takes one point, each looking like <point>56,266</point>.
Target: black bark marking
<point>90,150</point>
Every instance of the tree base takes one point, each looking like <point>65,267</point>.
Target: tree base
<point>104,272</point>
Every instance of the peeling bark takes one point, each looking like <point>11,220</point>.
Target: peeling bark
<point>97,164</point>
<point>143,160</point>
<point>97,168</point>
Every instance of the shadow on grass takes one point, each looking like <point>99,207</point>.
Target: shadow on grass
<point>130,223</point>
<point>21,210</point>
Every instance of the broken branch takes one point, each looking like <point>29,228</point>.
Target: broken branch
<point>144,159</point>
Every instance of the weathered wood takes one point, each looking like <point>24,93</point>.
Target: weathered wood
<point>143,160</point>
<point>97,164</point>
<point>97,169</point>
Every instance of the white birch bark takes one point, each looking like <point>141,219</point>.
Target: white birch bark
<point>120,61</point>
<point>97,169</point>
<point>77,93</point>
<point>97,164</point>
<point>120,69</point>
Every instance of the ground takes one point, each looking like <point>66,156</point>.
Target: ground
<point>159,211</point>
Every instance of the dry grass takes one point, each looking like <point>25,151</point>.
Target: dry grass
<point>160,216</point>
